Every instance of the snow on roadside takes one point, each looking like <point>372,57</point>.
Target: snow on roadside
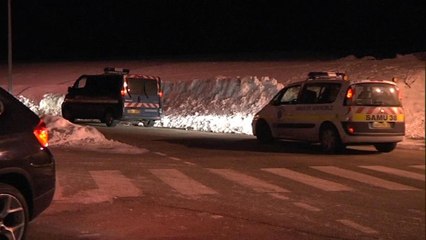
<point>222,104</point>
<point>66,134</point>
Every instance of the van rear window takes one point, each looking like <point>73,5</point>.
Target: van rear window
<point>140,86</point>
<point>375,94</point>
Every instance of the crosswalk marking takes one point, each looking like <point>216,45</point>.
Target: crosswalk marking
<point>182,183</point>
<point>363,178</point>
<point>307,207</point>
<point>309,180</point>
<point>114,183</point>
<point>397,172</point>
<point>248,181</point>
<point>358,227</point>
<point>419,166</point>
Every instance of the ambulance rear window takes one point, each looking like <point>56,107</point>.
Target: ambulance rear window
<point>375,94</point>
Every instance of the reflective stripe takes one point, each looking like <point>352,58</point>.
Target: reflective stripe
<point>369,114</point>
<point>144,105</point>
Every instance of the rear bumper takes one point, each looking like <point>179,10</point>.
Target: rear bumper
<point>347,139</point>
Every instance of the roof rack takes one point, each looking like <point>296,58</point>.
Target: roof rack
<point>113,70</point>
<point>327,76</point>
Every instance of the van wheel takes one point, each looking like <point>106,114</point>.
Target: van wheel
<point>263,133</point>
<point>13,213</point>
<point>385,147</point>
<point>148,123</point>
<point>330,140</point>
<point>66,113</point>
<point>109,119</point>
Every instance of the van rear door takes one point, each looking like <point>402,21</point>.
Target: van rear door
<point>142,99</point>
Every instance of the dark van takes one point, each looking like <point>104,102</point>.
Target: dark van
<point>116,95</point>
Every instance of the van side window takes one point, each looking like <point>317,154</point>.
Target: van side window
<point>310,94</point>
<point>319,93</point>
<point>80,83</point>
<point>290,95</point>
<point>329,93</point>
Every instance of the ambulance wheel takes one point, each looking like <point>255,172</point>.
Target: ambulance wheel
<point>263,132</point>
<point>385,147</point>
<point>14,215</point>
<point>330,140</point>
<point>109,119</point>
<point>66,113</point>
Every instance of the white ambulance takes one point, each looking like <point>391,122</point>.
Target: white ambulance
<point>329,109</point>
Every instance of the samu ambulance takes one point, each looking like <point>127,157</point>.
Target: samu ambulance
<point>116,95</point>
<point>329,109</point>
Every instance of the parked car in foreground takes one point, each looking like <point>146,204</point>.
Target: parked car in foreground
<point>334,111</point>
<point>27,167</point>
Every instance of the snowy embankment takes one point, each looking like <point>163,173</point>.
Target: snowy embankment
<point>227,103</point>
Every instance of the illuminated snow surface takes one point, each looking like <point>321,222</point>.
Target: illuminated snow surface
<point>207,96</point>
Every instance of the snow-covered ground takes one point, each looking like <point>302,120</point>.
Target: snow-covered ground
<point>216,96</point>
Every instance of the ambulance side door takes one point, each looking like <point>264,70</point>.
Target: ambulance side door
<point>284,114</point>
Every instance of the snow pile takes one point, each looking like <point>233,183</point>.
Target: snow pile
<point>66,134</point>
<point>222,104</point>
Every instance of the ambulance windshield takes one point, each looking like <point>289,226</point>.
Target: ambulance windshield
<point>376,94</point>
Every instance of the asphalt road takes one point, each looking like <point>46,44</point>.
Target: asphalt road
<point>197,185</point>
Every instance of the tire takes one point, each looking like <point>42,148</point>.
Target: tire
<point>264,133</point>
<point>385,147</point>
<point>330,140</point>
<point>148,123</point>
<point>66,113</point>
<point>109,119</point>
<point>14,215</point>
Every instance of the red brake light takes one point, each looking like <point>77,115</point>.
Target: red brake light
<point>350,93</point>
<point>42,134</point>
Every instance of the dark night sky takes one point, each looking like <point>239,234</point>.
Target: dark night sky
<point>113,29</point>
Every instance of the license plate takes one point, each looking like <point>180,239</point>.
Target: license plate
<point>381,125</point>
<point>133,111</point>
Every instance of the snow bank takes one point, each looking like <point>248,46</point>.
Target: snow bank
<point>66,134</point>
<point>222,104</point>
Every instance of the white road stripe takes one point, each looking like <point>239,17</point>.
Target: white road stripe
<point>307,207</point>
<point>115,184</point>
<point>160,154</point>
<point>397,172</point>
<point>182,183</point>
<point>364,178</point>
<point>308,180</point>
<point>358,227</point>
<point>278,196</point>
<point>419,166</point>
<point>248,181</point>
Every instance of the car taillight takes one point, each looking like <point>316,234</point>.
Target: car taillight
<point>40,132</point>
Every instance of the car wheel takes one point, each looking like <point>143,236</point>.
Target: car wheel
<point>264,133</point>
<point>330,140</point>
<point>109,119</point>
<point>66,113</point>
<point>148,123</point>
<point>385,147</point>
<point>13,213</point>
